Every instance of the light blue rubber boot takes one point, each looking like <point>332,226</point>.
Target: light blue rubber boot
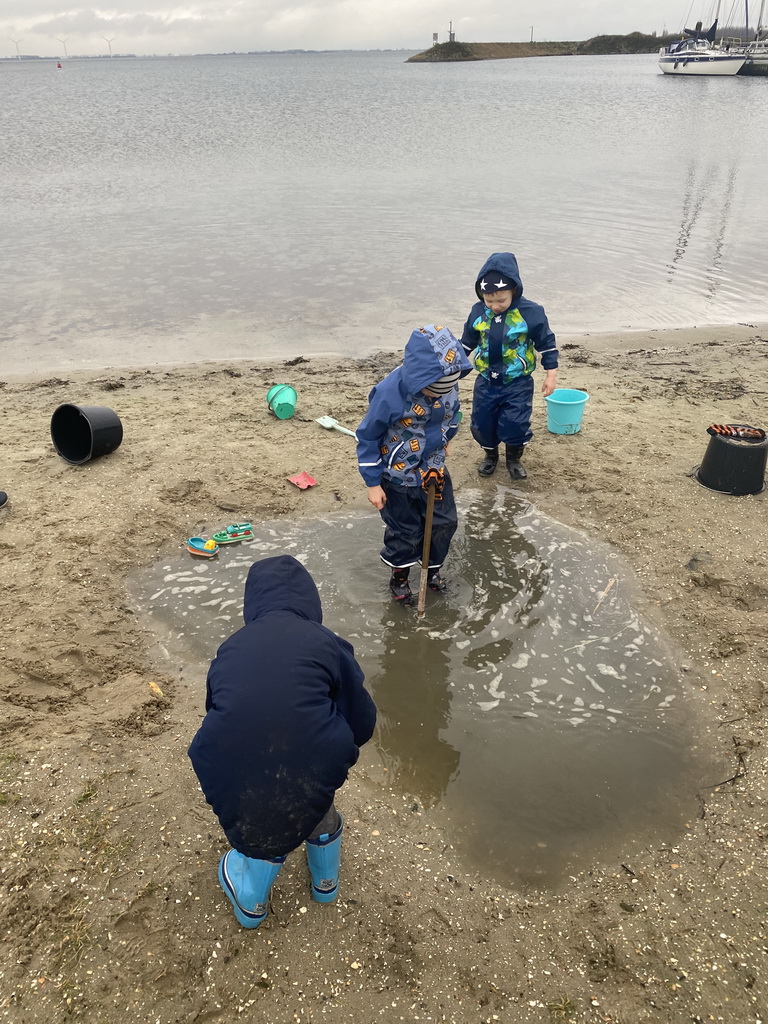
<point>247,883</point>
<point>324,857</point>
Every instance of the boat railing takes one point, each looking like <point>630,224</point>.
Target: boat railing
<point>739,46</point>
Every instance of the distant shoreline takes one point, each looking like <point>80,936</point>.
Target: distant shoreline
<point>27,58</point>
<point>635,42</point>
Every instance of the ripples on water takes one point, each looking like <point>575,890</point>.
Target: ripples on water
<point>533,706</point>
<point>184,199</point>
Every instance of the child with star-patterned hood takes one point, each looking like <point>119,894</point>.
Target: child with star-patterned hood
<point>505,331</point>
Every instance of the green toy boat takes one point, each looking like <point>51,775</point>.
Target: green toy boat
<point>234,533</point>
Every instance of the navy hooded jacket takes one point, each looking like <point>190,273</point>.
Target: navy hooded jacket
<point>404,431</point>
<point>286,712</point>
<point>506,344</point>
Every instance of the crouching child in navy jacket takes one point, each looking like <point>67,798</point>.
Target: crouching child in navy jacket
<point>401,447</point>
<point>506,330</point>
<point>286,713</point>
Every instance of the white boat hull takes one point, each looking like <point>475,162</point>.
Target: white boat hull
<point>701,63</point>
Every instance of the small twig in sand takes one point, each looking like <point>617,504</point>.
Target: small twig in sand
<point>742,769</point>
<point>586,643</point>
<point>602,596</point>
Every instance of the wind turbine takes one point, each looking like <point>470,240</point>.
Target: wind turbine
<point>108,41</point>
<point>16,41</point>
<point>64,44</point>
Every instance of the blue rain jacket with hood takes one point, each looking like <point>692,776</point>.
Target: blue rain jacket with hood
<point>507,344</point>
<point>286,712</point>
<point>404,430</point>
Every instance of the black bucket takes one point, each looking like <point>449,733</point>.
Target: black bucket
<point>733,466</point>
<point>84,432</point>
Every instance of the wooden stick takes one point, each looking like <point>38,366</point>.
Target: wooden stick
<point>602,596</point>
<point>425,549</point>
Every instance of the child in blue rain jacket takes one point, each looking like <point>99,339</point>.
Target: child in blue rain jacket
<point>286,713</point>
<point>506,331</point>
<point>402,443</point>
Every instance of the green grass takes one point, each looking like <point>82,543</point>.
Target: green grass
<point>88,793</point>
<point>562,1009</point>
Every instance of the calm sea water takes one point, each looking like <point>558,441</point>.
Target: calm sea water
<point>163,210</point>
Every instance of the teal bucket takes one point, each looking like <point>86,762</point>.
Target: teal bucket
<point>565,407</point>
<point>281,399</point>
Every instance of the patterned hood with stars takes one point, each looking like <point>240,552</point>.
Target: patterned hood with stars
<point>500,267</point>
<point>506,344</point>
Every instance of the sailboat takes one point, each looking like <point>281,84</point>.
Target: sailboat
<point>697,54</point>
<point>756,51</point>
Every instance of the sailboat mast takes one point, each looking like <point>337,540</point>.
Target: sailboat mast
<point>760,20</point>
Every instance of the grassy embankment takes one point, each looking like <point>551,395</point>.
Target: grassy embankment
<point>635,42</point>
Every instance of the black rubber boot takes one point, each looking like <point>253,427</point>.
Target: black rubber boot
<point>399,586</point>
<point>436,582</point>
<point>488,466</point>
<point>515,467</point>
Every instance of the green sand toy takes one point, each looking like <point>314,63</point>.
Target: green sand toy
<point>234,533</point>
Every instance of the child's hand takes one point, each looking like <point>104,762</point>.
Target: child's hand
<point>435,478</point>
<point>377,497</point>
<point>550,382</point>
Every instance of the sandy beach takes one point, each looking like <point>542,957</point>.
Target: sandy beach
<point>110,909</point>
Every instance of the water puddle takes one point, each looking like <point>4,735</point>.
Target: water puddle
<point>532,708</point>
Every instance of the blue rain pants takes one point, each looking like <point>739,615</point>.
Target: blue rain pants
<point>404,515</point>
<point>501,413</point>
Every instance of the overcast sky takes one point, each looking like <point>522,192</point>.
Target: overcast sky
<point>155,26</point>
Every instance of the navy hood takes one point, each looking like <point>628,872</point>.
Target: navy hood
<point>286,712</point>
<point>281,583</point>
<point>502,263</point>
<point>430,353</point>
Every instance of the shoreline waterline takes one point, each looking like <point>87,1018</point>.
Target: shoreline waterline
<point>598,341</point>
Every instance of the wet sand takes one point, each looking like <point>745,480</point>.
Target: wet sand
<point>110,908</point>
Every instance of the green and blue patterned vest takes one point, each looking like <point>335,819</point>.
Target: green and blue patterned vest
<point>518,355</point>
